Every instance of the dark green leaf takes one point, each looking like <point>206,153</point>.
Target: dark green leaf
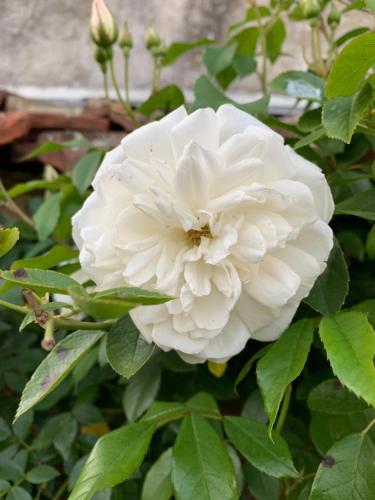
<point>252,440</point>
<point>9,469</point>
<point>55,147</point>
<point>201,466</point>
<point>314,136</point>
<point>330,289</point>
<point>299,84</point>
<point>207,95</point>
<point>359,205</point>
<point>334,399</point>
<point>275,38</point>
<point>244,65</point>
<point>370,243</point>
<point>26,187</point>
<point>165,99</point>
<point>350,34</point>
<point>56,366</point>
<point>158,482</point>
<point>127,350</point>
<point>18,493</point>
<point>85,170</point>
<point>177,49</point>
<point>261,485</point>
<point>162,412</point>
<point>8,238</point>
<point>41,474</point>
<point>349,340</point>
<point>113,459</point>
<point>141,391</point>
<point>351,66</point>
<point>282,364</point>
<point>39,280</point>
<point>5,432</point>
<point>47,216</point>
<point>203,403</point>
<point>346,472</point>
<point>219,57</point>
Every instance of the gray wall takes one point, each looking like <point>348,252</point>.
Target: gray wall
<point>46,42</point>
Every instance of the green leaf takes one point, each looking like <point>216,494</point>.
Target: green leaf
<point>328,428</point>
<point>368,307</point>
<point>246,41</point>
<point>18,493</point>
<point>136,295</point>
<point>350,34</point>
<point>349,340</point>
<point>360,205</point>
<point>165,99</point>
<point>41,474</point>
<point>158,482</point>
<point>56,366</point>
<point>39,280</point>
<point>252,440</point>
<point>346,472</point>
<point>55,147</point>
<point>207,95</point>
<point>106,307</point>
<point>177,49</point>
<point>113,459</point>
<point>85,170</point>
<point>311,138</point>
<point>47,216</point>
<point>141,391</point>
<point>351,66</point>
<point>330,289</point>
<point>8,238</point>
<point>217,58</point>
<point>274,39</point>
<point>261,486</point>
<point>370,243</point>
<point>56,255</point>
<point>4,485</point>
<point>203,403</point>
<point>201,466</point>
<point>9,469</point>
<point>334,399</point>
<point>5,432</point>
<point>282,364</point>
<point>22,427</point>
<point>299,84</point>
<point>26,187</point>
<point>244,65</point>
<point>162,412</point>
<point>341,115</point>
<point>127,350</point>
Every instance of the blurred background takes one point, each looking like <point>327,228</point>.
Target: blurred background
<point>46,50</point>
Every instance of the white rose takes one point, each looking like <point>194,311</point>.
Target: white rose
<point>215,210</point>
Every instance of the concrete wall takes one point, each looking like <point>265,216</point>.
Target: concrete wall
<point>46,42</point>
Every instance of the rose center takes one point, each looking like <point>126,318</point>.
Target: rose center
<point>195,235</point>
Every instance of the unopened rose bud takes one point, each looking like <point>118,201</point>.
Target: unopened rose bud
<point>311,8</point>
<point>152,39</point>
<point>159,50</point>
<point>126,40</point>
<point>334,17</point>
<point>103,26</point>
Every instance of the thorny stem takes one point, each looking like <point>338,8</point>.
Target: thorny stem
<point>13,207</point>
<point>68,324</point>
<point>284,408</point>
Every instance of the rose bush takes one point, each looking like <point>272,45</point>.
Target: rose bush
<point>213,209</point>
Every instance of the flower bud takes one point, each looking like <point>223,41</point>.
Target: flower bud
<point>126,40</point>
<point>334,17</point>
<point>152,39</point>
<point>310,8</point>
<point>103,26</point>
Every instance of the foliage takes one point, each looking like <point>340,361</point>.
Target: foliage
<point>105,415</point>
